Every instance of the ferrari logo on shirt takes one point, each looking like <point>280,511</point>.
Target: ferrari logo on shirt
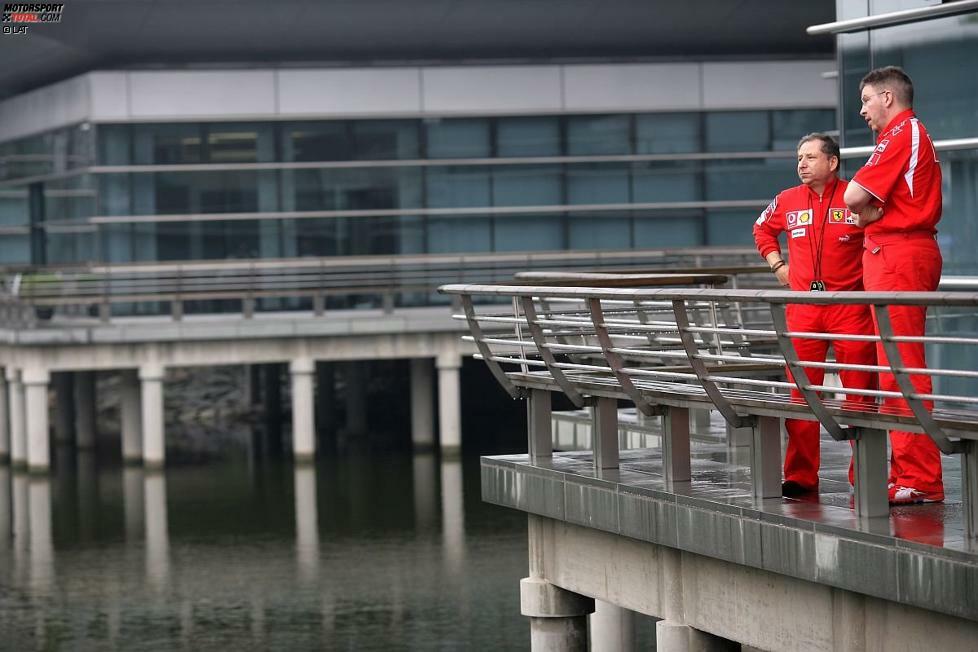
<point>838,215</point>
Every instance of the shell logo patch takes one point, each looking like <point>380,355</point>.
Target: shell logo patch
<point>798,218</point>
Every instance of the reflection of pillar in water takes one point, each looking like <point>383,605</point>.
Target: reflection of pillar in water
<point>157,529</point>
<point>6,509</point>
<point>187,623</point>
<point>306,523</point>
<point>42,546</point>
<point>425,498</point>
<point>453,515</point>
<point>21,522</point>
<point>134,501</point>
<point>86,494</point>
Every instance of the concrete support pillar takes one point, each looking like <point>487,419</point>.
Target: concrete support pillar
<point>36,381</point>
<point>4,420</point>
<point>676,465</point>
<point>449,404</point>
<point>151,379</point>
<point>604,431</point>
<point>64,407</point>
<point>131,417</point>
<point>869,459</point>
<point>303,371</point>
<point>85,409</point>
<point>558,617</point>
<point>765,464</point>
<point>18,424</point>
<point>539,423</point>
<point>612,628</point>
<point>422,413</point>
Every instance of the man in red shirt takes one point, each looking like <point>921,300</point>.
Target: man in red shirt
<point>897,198</point>
<point>824,247</point>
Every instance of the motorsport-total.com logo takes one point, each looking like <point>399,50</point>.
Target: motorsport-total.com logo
<point>17,17</point>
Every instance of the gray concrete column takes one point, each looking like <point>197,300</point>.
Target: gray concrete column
<point>4,420</point>
<point>612,628</point>
<point>303,371</point>
<point>85,409</point>
<point>151,379</point>
<point>18,424</point>
<point>131,417</point>
<point>422,414</point>
<point>558,617</point>
<point>36,381</point>
<point>449,404</point>
<point>671,636</point>
<point>64,407</point>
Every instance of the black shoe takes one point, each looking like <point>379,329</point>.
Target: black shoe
<point>792,489</point>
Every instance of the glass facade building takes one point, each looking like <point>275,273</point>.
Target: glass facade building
<point>213,190</point>
<point>941,56</point>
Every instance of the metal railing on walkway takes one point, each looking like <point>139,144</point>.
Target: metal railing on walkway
<point>669,350</point>
<point>315,284</point>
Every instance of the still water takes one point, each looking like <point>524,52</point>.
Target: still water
<point>363,551</point>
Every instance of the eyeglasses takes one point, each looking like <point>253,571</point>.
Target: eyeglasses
<point>865,100</point>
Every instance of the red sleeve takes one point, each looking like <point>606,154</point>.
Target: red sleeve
<point>885,166</point>
<point>768,227</point>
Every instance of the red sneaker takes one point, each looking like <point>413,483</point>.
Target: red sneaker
<point>910,496</point>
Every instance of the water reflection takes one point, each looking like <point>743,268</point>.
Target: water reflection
<point>367,551</point>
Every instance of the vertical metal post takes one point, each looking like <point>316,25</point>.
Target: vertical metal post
<point>969,491</point>
<point>675,445</point>
<point>869,458</point>
<point>604,430</point>
<point>540,439</point>
<point>765,462</point>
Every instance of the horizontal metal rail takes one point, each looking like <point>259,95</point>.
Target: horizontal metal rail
<point>895,18</point>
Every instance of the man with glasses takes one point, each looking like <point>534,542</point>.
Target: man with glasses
<point>896,196</point>
<point>824,249</point>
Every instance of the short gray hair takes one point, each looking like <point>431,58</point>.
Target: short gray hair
<point>829,146</point>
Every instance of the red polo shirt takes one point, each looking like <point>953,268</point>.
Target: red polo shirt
<point>903,173</point>
<point>823,241</point>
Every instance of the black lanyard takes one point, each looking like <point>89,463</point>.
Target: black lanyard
<point>819,242</point>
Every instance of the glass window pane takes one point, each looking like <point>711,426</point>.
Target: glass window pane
<point>598,184</point>
<point>527,137</point>
<point>528,232</point>
<point>749,179</point>
<point>666,182</point>
<point>459,234</point>
<point>166,144</point>
<point>730,227</point>
<point>662,230</point>
<point>113,145</point>
<point>526,185</point>
<point>738,131</point>
<point>788,127</point>
<point>599,231</point>
<point>455,187</point>
<point>667,133</point>
<point>317,141</point>
<point>382,140</point>
<point>598,134</point>
<point>458,138</point>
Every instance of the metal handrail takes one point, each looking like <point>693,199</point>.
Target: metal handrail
<point>894,18</point>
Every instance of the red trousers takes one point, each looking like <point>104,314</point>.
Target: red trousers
<point>802,456</point>
<point>909,264</point>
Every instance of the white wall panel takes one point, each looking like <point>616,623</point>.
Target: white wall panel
<point>632,87</point>
<point>349,92</point>
<point>491,89</point>
<point>110,95</point>
<point>57,105</point>
<point>221,94</point>
<point>789,84</point>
